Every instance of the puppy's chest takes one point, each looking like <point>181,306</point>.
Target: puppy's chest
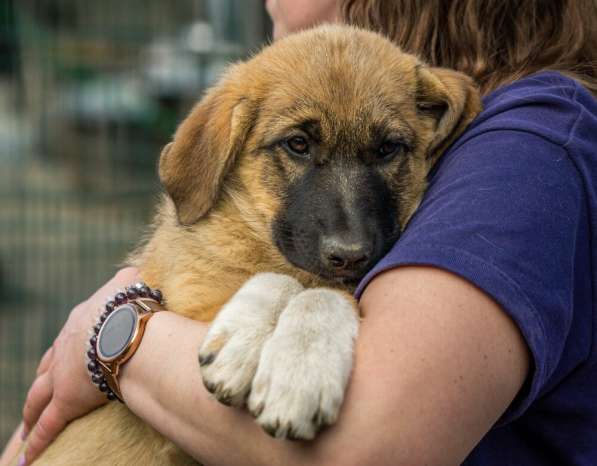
<point>199,272</point>
<point>198,296</point>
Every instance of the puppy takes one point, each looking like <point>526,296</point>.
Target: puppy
<point>285,184</point>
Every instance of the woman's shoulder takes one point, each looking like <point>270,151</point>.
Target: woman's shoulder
<point>544,82</point>
<point>547,104</point>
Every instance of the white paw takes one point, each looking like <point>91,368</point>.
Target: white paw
<point>305,365</point>
<point>230,352</point>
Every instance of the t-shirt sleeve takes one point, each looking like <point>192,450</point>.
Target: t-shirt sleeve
<point>503,212</point>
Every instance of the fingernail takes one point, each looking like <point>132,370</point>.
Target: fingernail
<point>21,460</point>
<point>24,434</point>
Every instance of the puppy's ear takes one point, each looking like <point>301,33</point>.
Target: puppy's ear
<point>451,99</point>
<point>193,166</point>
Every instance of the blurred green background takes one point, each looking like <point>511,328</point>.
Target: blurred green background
<point>89,93</point>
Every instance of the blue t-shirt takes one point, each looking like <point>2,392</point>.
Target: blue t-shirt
<point>512,207</point>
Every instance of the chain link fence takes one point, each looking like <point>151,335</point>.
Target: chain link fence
<point>89,93</point>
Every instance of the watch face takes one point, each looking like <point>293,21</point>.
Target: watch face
<point>117,332</point>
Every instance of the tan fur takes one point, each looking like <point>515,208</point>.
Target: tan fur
<point>213,231</point>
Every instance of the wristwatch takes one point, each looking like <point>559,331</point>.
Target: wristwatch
<point>119,337</point>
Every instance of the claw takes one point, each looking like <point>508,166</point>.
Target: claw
<point>206,360</point>
<point>271,429</point>
<point>211,387</point>
<point>256,412</point>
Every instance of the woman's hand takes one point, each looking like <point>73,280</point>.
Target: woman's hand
<point>63,390</point>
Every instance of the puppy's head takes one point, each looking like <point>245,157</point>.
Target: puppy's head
<point>325,140</point>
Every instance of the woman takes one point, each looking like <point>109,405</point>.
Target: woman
<point>477,342</point>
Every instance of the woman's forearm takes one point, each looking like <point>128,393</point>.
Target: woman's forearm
<point>437,362</point>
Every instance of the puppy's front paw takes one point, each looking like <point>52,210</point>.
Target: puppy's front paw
<point>230,352</point>
<point>305,365</point>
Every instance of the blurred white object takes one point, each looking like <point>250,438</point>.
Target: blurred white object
<point>199,37</point>
<point>171,69</point>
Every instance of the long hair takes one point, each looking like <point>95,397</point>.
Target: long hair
<point>494,41</point>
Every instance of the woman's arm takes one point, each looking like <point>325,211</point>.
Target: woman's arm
<point>437,363</point>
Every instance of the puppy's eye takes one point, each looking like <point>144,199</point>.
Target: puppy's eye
<point>298,145</point>
<point>389,149</point>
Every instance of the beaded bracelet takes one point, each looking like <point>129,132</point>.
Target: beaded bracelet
<point>138,290</point>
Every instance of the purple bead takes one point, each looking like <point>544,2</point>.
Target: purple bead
<point>120,298</point>
<point>97,379</point>
<point>110,305</point>
<point>143,291</point>
<point>92,366</point>
<point>93,341</point>
<point>103,317</point>
<point>103,387</point>
<point>110,395</point>
<point>92,354</point>
<point>156,294</point>
<point>131,293</point>
<point>96,328</point>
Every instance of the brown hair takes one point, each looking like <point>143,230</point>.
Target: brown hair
<point>494,41</point>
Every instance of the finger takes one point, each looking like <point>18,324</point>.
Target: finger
<point>89,308</point>
<point>12,448</point>
<point>128,275</point>
<point>122,278</point>
<point>39,396</point>
<point>46,360</point>
<point>50,424</point>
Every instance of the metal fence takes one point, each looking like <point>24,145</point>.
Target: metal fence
<point>89,93</point>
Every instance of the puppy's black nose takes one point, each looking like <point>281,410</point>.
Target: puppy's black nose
<point>341,255</point>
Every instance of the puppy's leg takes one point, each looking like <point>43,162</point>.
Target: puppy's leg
<point>231,350</point>
<point>305,365</point>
